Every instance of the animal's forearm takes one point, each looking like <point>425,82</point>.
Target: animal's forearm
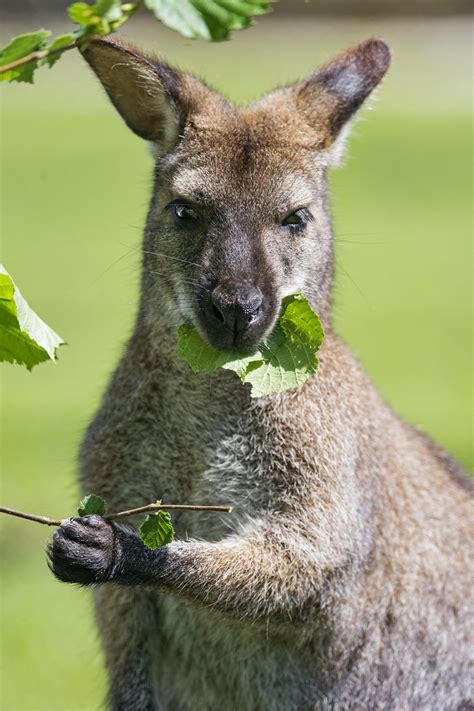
<point>247,578</point>
<point>274,570</point>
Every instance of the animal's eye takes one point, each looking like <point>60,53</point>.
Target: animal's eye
<point>298,218</point>
<point>184,213</point>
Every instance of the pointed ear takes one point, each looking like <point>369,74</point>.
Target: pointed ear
<point>153,99</point>
<point>330,96</point>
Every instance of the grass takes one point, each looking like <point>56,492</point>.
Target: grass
<point>75,190</point>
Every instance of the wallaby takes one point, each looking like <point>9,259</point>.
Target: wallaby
<point>342,579</point>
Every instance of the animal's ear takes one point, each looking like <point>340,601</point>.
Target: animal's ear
<point>153,99</point>
<point>330,96</point>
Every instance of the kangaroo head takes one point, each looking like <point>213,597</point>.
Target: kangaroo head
<point>239,216</point>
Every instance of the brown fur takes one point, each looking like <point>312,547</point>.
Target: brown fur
<point>342,580</point>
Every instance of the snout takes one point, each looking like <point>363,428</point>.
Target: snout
<point>236,307</point>
<point>236,315</point>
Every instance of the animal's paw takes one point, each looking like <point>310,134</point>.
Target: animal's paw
<point>85,550</point>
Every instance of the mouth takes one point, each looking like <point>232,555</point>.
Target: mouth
<point>240,335</point>
<point>224,339</point>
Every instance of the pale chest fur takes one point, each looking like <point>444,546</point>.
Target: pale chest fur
<point>201,439</point>
<point>223,459</point>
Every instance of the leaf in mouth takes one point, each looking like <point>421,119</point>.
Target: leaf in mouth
<point>285,360</point>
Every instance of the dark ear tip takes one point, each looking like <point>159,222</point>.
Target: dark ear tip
<point>376,52</point>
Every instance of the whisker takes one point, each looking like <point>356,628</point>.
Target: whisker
<point>188,282</point>
<point>337,238</point>
<point>115,262</point>
<point>355,285</point>
<point>170,256</point>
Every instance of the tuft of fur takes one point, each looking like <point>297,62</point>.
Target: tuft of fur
<point>343,578</point>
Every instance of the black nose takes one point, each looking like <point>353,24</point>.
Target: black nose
<point>236,306</point>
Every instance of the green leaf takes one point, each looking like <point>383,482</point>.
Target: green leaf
<point>82,13</point>
<point>57,44</point>
<point>20,47</point>
<point>23,45</point>
<point>102,7</point>
<point>182,17</point>
<point>117,16</point>
<point>157,530</point>
<point>101,18</point>
<point>210,19</point>
<point>24,337</point>
<point>204,358</point>
<point>91,504</point>
<point>286,359</point>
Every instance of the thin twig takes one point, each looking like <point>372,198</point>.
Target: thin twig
<point>43,53</point>
<point>31,517</point>
<point>121,514</point>
<point>36,56</point>
<point>166,507</point>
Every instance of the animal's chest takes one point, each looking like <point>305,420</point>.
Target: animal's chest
<point>232,457</point>
<point>227,470</point>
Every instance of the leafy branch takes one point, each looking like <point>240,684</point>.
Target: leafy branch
<point>157,529</point>
<point>121,514</point>
<point>34,57</point>
<point>212,20</point>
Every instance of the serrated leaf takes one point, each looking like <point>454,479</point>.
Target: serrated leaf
<point>21,46</point>
<point>299,318</point>
<point>210,19</point>
<point>24,337</point>
<point>18,48</point>
<point>204,358</point>
<point>157,530</point>
<point>23,73</point>
<point>91,504</point>
<point>286,359</point>
<point>288,364</point>
<point>57,44</point>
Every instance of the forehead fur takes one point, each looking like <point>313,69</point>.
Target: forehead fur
<point>261,149</point>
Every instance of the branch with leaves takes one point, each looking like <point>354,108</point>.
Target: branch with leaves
<point>156,531</point>
<point>212,20</point>
<point>24,337</point>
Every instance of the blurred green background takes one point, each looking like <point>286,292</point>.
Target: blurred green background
<point>75,188</point>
